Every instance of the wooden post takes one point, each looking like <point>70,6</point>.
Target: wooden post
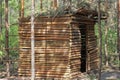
<point>119,31</point>
<point>22,8</point>
<point>19,3</point>
<point>32,42</point>
<point>7,39</point>
<point>0,17</point>
<point>41,6</point>
<point>70,5</point>
<point>55,5</point>
<point>100,38</point>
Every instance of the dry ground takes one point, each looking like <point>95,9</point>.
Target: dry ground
<point>106,75</point>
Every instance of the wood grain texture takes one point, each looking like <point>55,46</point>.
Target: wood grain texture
<point>57,47</point>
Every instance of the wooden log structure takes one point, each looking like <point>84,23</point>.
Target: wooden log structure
<point>65,46</point>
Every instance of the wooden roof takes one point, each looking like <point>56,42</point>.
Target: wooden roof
<point>86,12</point>
<point>90,14</point>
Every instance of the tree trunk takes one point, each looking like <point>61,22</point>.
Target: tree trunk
<point>106,32</point>
<point>22,8</point>
<point>32,42</point>
<point>100,38</point>
<point>106,45</point>
<point>7,39</point>
<point>55,4</point>
<point>0,16</point>
<point>19,8</point>
<point>41,5</point>
<point>119,30</point>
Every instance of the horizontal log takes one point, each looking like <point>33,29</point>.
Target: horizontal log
<point>80,22</point>
<point>94,58</point>
<point>45,70</point>
<point>76,49</point>
<point>48,77</point>
<point>48,55</point>
<point>43,66</point>
<point>50,19</point>
<point>75,75</point>
<point>76,42</point>
<point>44,61</point>
<point>56,59</point>
<point>45,28</point>
<point>76,64</point>
<point>46,36</point>
<point>74,71</point>
<point>50,38</point>
<point>49,52</point>
<point>93,51</point>
<point>94,61</point>
<point>43,74</point>
<point>92,44</point>
<point>91,48</point>
<point>43,33</point>
<point>75,55</point>
<point>47,23</point>
<point>55,74</point>
<point>48,48</point>
<point>75,58</point>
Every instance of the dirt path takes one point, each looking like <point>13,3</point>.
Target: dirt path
<point>109,75</point>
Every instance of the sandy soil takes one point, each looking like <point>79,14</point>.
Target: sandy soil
<point>106,75</point>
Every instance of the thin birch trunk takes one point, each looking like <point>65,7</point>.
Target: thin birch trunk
<point>106,45</point>
<point>106,34</point>
<point>32,41</point>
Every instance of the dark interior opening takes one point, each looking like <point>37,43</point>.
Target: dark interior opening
<point>83,48</point>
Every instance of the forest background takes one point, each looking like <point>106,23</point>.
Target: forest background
<point>109,27</point>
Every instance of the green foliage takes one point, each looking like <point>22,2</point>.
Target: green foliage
<point>13,30</point>
<point>109,31</point>
<point>13,41</point>
<point>2,44</point>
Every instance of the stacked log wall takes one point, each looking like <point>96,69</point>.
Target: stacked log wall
<point>52,50</point>
<point>92,49</point>
<point>75,51</point>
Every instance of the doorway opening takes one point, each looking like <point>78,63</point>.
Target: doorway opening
<point>83,48</point>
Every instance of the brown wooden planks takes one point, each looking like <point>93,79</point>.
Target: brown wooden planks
<point>57,46</point>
